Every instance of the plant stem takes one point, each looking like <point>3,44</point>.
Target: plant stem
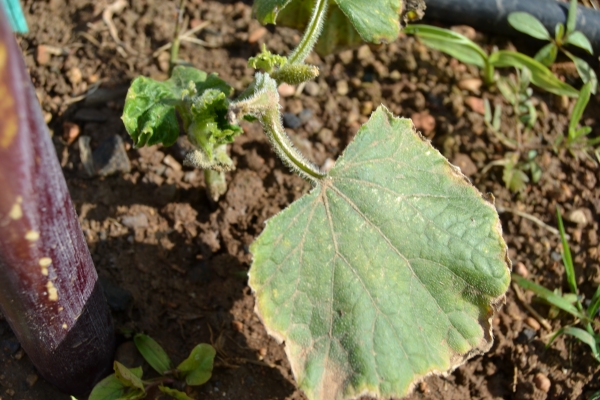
<point>311,34</point>
<point>176,38</point>
<point>488,73</point>
<point>264,105</point>
<point>271,121</point>
<point>216,185</point>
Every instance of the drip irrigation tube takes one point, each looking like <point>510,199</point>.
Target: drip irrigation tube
<point>491,15</point>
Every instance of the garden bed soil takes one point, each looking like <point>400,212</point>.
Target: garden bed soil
<point>174,264</point>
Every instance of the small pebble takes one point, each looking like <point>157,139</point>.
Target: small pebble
<point>525,336</point>
<point>31,379</point>
<point>286,90</point>
<point>74,75</point>
<point>42,55</point>
<point>70,132</point>
<point>475,104</point>
<point>111,157</point>
<point>532,322</point>
<point>423,121</point>
<point>346,57</point>
<point>305,115</point>
<point>465,163</point>
<point>423,387</point>
<point>256,34</point>
<point>470,84</point>
<point>312,88</point>
<point>139,220</point>
<point>342,87</point>
<point>364,53</point>
<point>366,108</point>
<point>542,382</point>
<point>521,269</point>
<point>578,217</point>
<point>291,121</point>
<point>169,161</point>
<point>237,325</point>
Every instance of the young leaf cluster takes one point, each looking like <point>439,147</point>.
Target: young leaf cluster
<point>563,36</point>
<point>584,326</point>
<point>200,100</point>
<point>128,383</point>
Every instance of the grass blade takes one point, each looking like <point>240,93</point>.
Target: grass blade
<point>566,255</point>
<point>580,335</point>
<point>449,42</point>
<point>548,296</point>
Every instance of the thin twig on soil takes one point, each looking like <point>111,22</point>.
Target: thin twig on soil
<point>107,15</point>
<point>543,321</point>
<point>186,36</point>
<point>531,218</point>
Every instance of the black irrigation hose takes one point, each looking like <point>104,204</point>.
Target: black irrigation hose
<point>491,15</point>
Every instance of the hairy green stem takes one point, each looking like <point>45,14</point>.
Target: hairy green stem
<point>216,185</point>
<point>271,122</point>
<point>176,39</point>
<point>264,105</point>
<point>311,34</point>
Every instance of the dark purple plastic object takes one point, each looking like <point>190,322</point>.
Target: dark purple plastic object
<point>49,290</point>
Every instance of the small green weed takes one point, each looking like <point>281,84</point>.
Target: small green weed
<point>571,303</point>
<point>563,36</point>
<point>127,383</point>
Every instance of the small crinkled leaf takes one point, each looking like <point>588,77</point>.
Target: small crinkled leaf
<point>210,126</point>
<point>153,353</point>
<point>197,368</point>
<point>174,393</point>
<point>390,269</point>
<point>150,115</point>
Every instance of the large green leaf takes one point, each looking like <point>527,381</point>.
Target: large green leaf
<point>388,270</point>
<point>348,21</point>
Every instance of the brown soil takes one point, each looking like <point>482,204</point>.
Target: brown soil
<point>186,268</point>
